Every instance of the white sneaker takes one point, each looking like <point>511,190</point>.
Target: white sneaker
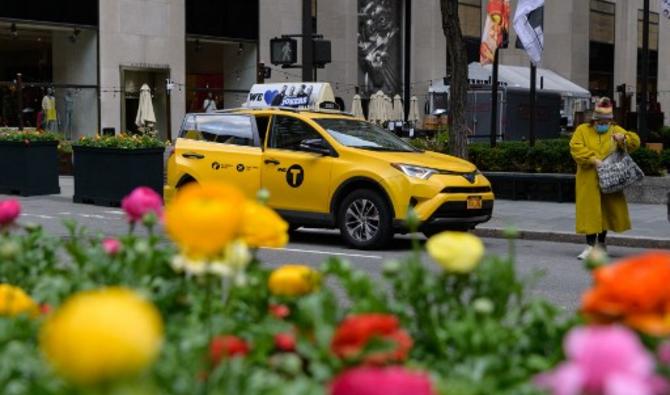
<point>585,253</point>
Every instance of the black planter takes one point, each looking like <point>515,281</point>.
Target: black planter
<point>533,186</point>
<point>104,176</point>
<point>29,169</point>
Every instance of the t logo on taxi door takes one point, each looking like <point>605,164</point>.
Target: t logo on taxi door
<point>295,175</point>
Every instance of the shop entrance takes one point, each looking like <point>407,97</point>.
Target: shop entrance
<point>132,80</point>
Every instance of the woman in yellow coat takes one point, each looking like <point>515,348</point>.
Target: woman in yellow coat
<point>592,142</point>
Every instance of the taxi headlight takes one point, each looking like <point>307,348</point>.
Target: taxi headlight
<point>422,173</point>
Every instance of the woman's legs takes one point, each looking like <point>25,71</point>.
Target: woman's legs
<point>591,239</point>
<point>602,237</point>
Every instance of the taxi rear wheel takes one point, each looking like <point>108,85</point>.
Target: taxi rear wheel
<point>365,220</point>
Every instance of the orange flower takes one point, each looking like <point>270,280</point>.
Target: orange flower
<point>634,291</point>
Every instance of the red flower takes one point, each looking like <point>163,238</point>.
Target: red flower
<point>279,311</point>
<point>381,381</point>
<point>285,342</point>
<point>45,308</point>
<point>356,331</point>
<point>227,346</point>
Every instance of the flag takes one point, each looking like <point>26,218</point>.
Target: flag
<point>528,24</point>
<point>665,8</point>
<point>495,29</point>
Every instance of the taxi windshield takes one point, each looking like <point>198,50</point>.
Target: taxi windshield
<point>365,135</point>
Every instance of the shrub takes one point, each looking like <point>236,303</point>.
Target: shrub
<point>16,136</point>
<point>648,160</point>
<point>123,141</point>
<point>665,159</point>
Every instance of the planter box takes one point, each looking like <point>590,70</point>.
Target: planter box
<point>533,186</point>
<point>29,169</point>
<point>104,176</point>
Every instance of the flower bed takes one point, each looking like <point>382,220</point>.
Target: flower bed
<point>29,162</point>
<point>135,314</point>
<point>106,167</point>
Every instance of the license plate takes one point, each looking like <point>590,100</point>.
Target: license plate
<point>474,202</point>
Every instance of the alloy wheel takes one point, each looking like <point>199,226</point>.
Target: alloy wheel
<point>362,220</point>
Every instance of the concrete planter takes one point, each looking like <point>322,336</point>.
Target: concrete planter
<point>29,169</point>
<point>104,176</point>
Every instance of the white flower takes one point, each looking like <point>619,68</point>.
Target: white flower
<point>231,263</point>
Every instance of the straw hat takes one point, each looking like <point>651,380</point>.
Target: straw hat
<point>603,110</point>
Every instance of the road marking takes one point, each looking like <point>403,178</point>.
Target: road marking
<point>115,212</point>
<point>64,213</point>
<point>96,216</point>
<point>326,253</point>
<point>38,216</point>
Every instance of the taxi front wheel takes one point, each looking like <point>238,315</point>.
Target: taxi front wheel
<point>365,220</point>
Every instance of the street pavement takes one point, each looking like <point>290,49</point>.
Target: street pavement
<point>563,280</point>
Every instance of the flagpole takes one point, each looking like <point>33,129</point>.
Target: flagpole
<point>494,99</point>
<point>531,129</point>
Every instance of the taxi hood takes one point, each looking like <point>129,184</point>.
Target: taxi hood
<point>429,159</point>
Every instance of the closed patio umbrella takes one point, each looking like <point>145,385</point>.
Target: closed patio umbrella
<point>398,109</point>
<point>414,114</point>
<point>357,108</point>
<point>145,111</point>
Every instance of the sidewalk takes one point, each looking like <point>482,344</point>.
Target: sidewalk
<point>556,222</point>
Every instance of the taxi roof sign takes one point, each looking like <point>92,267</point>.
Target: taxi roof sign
<point>290,94</point>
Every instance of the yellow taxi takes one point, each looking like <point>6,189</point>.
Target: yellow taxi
<point>330,170</point>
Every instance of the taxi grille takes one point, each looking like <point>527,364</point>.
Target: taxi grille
<point>466,190</point>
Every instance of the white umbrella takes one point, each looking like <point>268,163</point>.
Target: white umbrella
<point>414,114</point>
<point>388,109</point>
<point>357,108</point>
<point>398,110</point>
<point>145,111</point>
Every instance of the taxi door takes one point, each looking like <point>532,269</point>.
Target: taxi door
<point>221,147</point>
<point>297,180</point>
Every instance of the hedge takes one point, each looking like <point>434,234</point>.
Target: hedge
<point>551,156</point>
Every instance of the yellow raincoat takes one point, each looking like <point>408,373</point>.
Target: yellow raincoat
<point>598,212</point>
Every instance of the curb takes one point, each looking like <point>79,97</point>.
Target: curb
<point>562,237</point>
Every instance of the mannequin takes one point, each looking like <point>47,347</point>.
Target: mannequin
<point>49,110</point>
<point>69,110</point>
<point>209,105</point>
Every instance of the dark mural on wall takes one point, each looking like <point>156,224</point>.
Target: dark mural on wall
<point>379,46</point>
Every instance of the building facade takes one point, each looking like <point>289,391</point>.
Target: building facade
<point>594,43</point>
<point>93,57</point>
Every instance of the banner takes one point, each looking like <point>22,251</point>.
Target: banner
<point>495,29</point>
<point>529,25</point>
<point>290,94</point>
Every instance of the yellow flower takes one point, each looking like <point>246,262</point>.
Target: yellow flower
<point>263,227</point>
<point>101,335</point>
<point>455,251</point>
<point>293,280</point>
<point>202,220</point>
<point>14,301</point>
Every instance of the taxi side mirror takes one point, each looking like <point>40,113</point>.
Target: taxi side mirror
<point>317,146</point>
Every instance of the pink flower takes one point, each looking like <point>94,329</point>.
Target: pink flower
<point>140,202</point>
<point>664,353</point>
<point>381,381</point>
<point>603,360</point>
<point>111,246</point>
<point>9,211</point>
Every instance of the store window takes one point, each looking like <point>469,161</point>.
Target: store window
<point>652,82</point>
<point>601,48</point>
<point>59,74</point>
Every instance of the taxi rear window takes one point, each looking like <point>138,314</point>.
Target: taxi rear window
<point>224,129</point>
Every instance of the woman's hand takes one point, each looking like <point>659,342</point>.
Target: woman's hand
<point>619,138</point>
<point>596,162</point>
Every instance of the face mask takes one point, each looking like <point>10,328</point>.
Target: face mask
<point>602,128</point>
